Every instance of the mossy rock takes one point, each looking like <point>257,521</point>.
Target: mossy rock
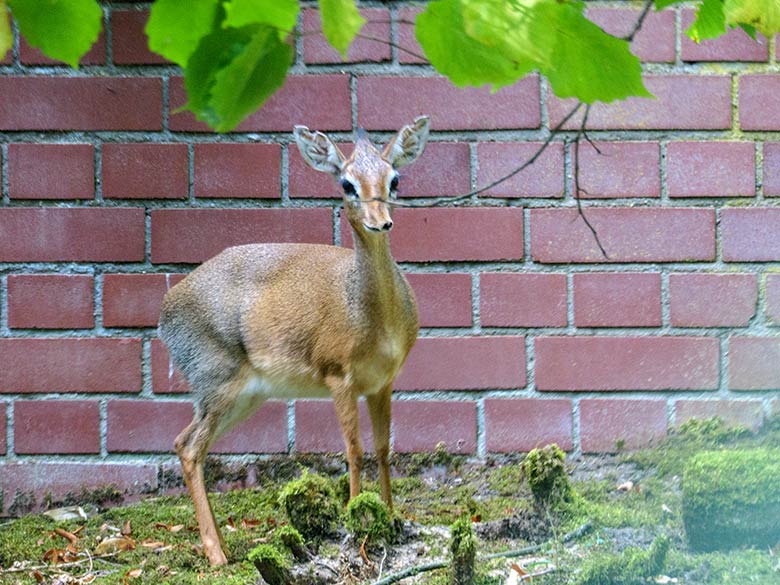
<point>545,471</point>
<point>463,552</point>
<point>311,506</point>
<point>367,516</point>
<point>287,537</point>
<point>633,566</point>
<point>271,563</point>
<point>731,499</point>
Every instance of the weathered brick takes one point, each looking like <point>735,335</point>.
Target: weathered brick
<point>712,300</point>
<point>316,48</point>
<point>735,45</point>
<point>654,43</point>
<point>409,50</point>
<point>627,234</point>
<point>753,363</point>
<point>237,170</point>
<point>743,413</point>
<point>522,424</point>
<point>620,169</point>
<point>759,102</point>
<point>441,235</point>
<point>129,44</point>
<point>194,235</point>
<point>683,102</point>
<point>711,169</point>
<point>773,298</point>
<point>51,171</point>
<point>145,171</point>
<point>750,235</point>
<point>70,365</point>
<point>614,425</point>
<point>443,299</point>
<point>80,103</point>
<point>617,299</point>
<point>771,165</point>
<point>145,426</point>
<point>29,55</point>
<point>387,103</point>
<point>627,363</point>
<point>317,428</point>
<point>56,426</point>
<point>321,102</point>
<point>544,178</point>
<point>263,432</point>
<point>61,235</point>
<point>522,300</point>
<point>464,363</point>
<point>421,425</point>
<point>50,301</point>
<point>133,300</point>
<point>166,379</point>
<point>52,481</point>
<point>2,430</point>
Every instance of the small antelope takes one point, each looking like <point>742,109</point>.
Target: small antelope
<point>287,321</point>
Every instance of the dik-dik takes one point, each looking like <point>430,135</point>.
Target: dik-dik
<point>288,321</point>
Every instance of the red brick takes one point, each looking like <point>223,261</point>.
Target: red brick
<point>759,101</point>
<point>321,102</point>
<point>51,171</point>
<point>627,363</point>
<point>712,300</point>
<point>2,430</point>
<point>442,235</point>
<point>753,363</point>
<point>194,235</point>
<point>522,300</point>
<point>443,299</point>
<point>29,55</point>
<point>50,301</point>
<point>48,480</point>
<point>409,50</point>
<point>743,413</point>
<point>133,300</point>
<point>526,423</point>
<point>422,425</point>
<point>627,234</point>
<point>683,102</point>
<point>166,379</point>
<point>618,299</point>
<point>145,426</point>
<point>771,178</point>
<point>614,425</point>
<point>263,432</point>
<point>711,169</point>
<point>56,426</point>
<point>70,365</point>
<point>464,363</point>
<point>317,428</point>
<point>654,43</point>
<point>316,48</point>
<point>80,103</point>
<point>735,45</point>
<point>129,44</point>
<point>622,169</point>
<point>237,170</point>
<point>750,235</point>
<point>544,178</point>
<point>145,171</point>
<point>773,298</point>
<point>387,103</point>
<point>60,235</point>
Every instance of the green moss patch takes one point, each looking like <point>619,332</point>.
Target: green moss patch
<point>310,503</point>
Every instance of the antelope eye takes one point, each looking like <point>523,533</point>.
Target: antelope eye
<point>348,187</point>
<point>394,183</point>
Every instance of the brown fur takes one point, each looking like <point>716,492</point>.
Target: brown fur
<point>293,320</point>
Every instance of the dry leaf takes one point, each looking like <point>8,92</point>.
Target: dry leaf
<point>250,523</point>
<point>231,525</point>
<point>86,579</point>
<point>149,543</point>
<point>133,574</point>
<point>176,528</point>
<point>518,569</point>
<point>54,556</point>
<point>626,486</point>
<point>127,529</point>
<point>39,578</point>
<point>72,538</point>
<point>115,544</point>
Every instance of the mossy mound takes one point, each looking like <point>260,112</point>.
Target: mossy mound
<point>730,499</point>
<point>463,552</point>
<point>633,566</point>
<point>271,563</point>
<point>545,471</point>
<point>367,516</point>
<point>310,503</point>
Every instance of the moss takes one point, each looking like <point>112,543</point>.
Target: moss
<point>215,471</point>
<point>463,552</point>
<point>289,538</point>
<point>367,516</point>
<point>631,567</point>
<point>22,503</point>
<point>310,503</point>
<point>271,563</point>
<point>730,499</point>
<point>545,471</point>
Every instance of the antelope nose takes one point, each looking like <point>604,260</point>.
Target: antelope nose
<point>387,226</point>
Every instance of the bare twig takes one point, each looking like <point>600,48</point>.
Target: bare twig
<point>640,21</point>
<point>47,567</point>
<point>391,44</point>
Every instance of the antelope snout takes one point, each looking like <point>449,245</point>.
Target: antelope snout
<point>377,218</point>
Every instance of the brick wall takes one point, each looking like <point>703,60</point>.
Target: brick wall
<point>528,335</point>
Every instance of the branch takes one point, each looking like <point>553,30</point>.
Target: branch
<point>640,21</point>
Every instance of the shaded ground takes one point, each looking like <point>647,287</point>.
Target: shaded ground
<point>627,500</point>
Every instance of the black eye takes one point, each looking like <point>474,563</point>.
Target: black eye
<point>348,187</point>
<point>394,183</point>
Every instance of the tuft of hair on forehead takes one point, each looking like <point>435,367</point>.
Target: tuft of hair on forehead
<point>363,143</point>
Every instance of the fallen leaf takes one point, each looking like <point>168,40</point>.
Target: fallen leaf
<point>127,529</point>
<point>666,508</point>
<point>72,538</point>
<point>363,552</point>
<point>231,525</point>
<point>54,556</point>
<point>626,486</point>
<point>520,571</point>
<point>176,528</point>
<point>39,578</point>
<point>250,523</point>
<point>476,518</point>
<point>149,543</point>
<point>86,579</point>
<point>133,574</point>
<point>115,544</point>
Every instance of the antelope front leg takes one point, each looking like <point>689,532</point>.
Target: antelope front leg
<point>347,413</point>
<point>379,409</point>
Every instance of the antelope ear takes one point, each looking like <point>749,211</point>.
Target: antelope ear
<point>408,144</point>
<point>319,151</point>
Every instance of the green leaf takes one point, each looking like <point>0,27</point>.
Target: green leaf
<point>233,72</point>
<point>6,36</point>
<point>62,29</point>
<point>750,30</point>
<point>710,21</point>
<point>341,21</point>
<point>661,4</point>
<point>762,15</point>
<point>280,14</point>
<point>175,27</point>
<point>464,60</point>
